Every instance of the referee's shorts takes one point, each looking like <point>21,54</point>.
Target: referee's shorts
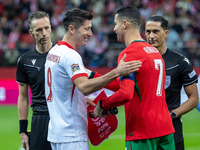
<point>39,130</point>
<point>178,135</point>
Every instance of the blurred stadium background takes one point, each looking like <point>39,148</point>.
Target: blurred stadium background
<point>100,53</point>
<point>102,49</point>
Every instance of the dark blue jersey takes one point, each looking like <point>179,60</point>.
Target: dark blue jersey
<point>30,70</point>
<point>179,73</point>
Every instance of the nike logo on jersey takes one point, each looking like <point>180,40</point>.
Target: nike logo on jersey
<point>33,61</point>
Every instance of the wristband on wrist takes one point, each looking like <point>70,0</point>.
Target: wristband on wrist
<point>173,115</point>
<point>23,126</point>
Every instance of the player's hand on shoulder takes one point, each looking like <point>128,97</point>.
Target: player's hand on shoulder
<point>125,68</point>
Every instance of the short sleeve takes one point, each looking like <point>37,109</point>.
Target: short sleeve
<point>188,74</point>
<point>74,66</point>
<point>21,76</point>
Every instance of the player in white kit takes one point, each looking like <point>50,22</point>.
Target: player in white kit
<point>66,83</point>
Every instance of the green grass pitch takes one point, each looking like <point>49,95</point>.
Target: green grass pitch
<point>10,138</point>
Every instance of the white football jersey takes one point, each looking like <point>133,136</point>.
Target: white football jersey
<point>66,104</point>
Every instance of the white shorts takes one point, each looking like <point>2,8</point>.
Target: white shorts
<point>70,146</point>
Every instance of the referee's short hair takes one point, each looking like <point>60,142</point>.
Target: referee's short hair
<point>161,19</point>
<point>37,15</point>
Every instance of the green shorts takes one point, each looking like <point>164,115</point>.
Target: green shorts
<point>160,143</point>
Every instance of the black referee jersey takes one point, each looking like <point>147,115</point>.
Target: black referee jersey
<point>30,70</point>
<point>179,73</point>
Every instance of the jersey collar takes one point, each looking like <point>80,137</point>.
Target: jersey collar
<point>65,43</point>
<point>165,50</point>
<point>138,41</point>
<point>35,48</point>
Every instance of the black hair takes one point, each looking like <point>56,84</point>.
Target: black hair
<point>161,19</point>
<point>130,13</point>
<point>76,17</point>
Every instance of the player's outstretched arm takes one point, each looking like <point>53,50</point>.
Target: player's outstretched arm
<point>92,85</point>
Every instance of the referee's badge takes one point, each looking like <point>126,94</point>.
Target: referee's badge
<point>167,81</point>
<point>192,74</point>
<point>75,67</point>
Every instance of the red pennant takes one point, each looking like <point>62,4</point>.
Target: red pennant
<point>100,129</point>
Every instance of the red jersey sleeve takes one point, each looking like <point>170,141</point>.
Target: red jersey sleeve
<point>122,96</point>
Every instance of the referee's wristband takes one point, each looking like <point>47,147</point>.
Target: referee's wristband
<point>23,126</point>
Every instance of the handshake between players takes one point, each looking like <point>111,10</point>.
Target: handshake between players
<point>99,111</point>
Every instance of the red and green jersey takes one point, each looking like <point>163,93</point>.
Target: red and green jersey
<point>143,94</point>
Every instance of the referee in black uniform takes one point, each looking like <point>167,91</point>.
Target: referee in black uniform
<point>179,73</point>
<point>30,72</point>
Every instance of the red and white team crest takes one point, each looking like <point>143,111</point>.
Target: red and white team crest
<point>100,129</point>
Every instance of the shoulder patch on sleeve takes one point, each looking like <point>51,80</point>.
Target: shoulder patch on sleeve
<point>75,67</point>
<point>192,74</point>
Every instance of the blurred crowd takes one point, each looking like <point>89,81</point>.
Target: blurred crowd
<point>102,49</point>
